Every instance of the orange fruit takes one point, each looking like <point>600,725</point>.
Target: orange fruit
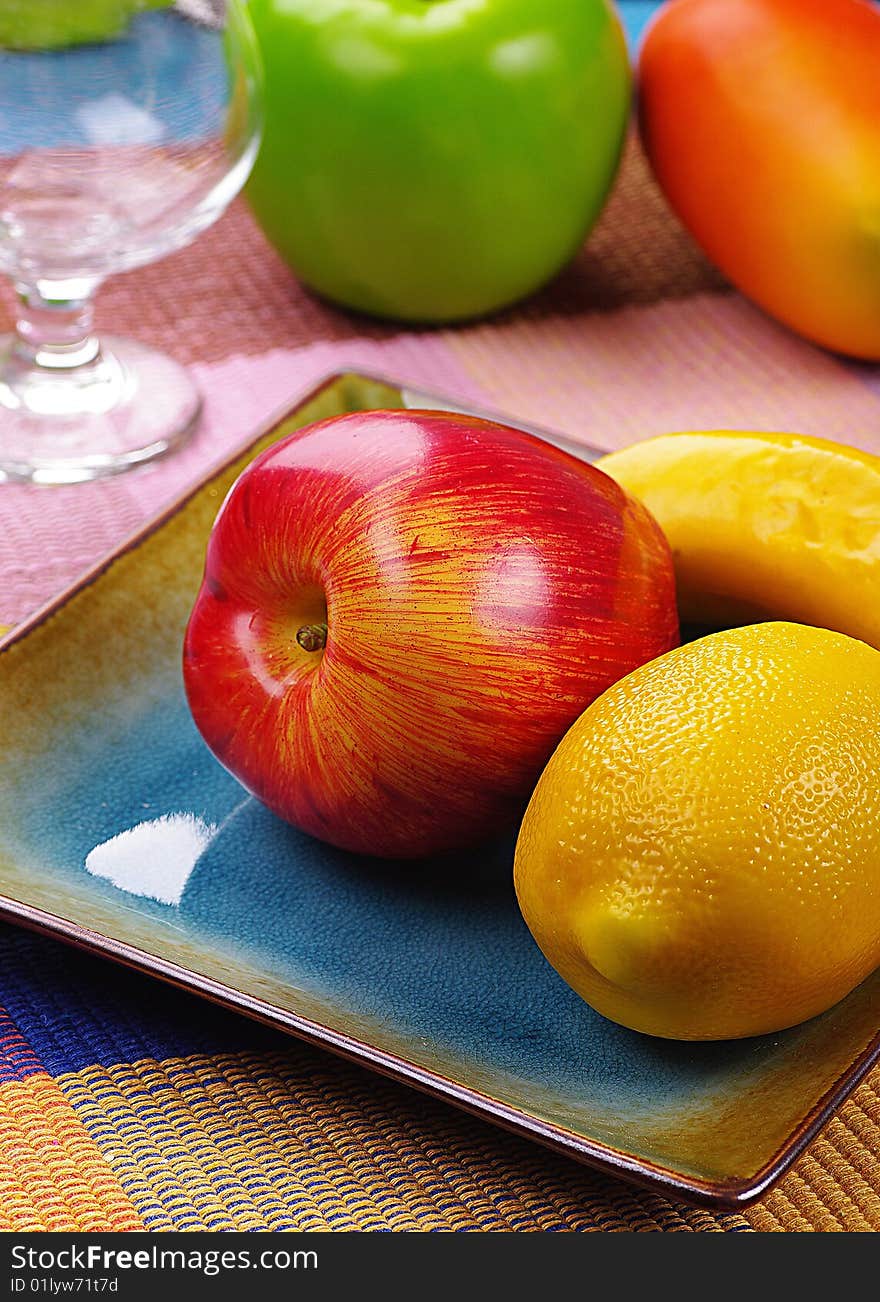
<point>701,856</point>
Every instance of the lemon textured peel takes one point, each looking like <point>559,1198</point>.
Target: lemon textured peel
<point>701,856</point>
<point>764,525</point>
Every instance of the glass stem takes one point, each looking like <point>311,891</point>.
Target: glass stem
<point>54,327</point>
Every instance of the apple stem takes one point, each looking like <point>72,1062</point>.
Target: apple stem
<point>312,637</point>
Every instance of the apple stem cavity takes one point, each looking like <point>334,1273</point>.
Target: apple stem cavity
<point>312,637</point>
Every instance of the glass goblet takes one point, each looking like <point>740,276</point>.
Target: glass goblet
<point>126,127</point>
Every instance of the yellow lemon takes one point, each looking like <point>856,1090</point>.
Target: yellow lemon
<point>701,856</point>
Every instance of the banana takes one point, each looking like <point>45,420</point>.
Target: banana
<point>764,526</point>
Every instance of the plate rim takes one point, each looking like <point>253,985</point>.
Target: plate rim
<point>723,1195</point>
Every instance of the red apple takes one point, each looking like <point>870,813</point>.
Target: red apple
<point>403,612</point>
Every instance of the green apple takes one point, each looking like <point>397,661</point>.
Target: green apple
<point>434,160</point>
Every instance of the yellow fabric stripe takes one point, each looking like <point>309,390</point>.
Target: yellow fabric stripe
<point>52,1174</point>
<point>296,1140</point>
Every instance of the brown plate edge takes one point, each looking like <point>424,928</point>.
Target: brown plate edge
<point>722,1195</point>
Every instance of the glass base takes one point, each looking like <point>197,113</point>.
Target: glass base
<point>124,405</point>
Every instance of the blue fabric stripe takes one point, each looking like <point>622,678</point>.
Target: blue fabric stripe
<point>73,1011</point>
